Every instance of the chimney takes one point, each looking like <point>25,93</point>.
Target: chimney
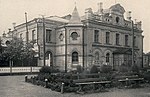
<point>100,8</point>
<point>14,25</point>
<point>139,24</point>
<point>88,13</point>
<point>4,34</point>
<point>129,15</point>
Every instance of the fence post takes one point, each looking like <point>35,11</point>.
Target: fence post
<point>127,81</point>
<point>26,78</point>
<point>46,83</point>
<point>99,74</point>
<point>78,74</point>
<point>62,88</point>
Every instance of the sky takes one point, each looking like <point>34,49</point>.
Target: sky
<point>13,11</point>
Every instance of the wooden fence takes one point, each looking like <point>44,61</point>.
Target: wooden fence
<point>11,70</point>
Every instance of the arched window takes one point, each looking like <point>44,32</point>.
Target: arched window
<point>49,58</point>
<point>107,57</point>
<point>74,57</point>
<point>61,36</point>
<point>74,35</point>
<point>96,56</point>
<point>117,19</point>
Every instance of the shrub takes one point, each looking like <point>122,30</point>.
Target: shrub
<point>48,69</point>
<point>79,68</point>
<point>135,68</point>
<point>123,68</point>
<point>146,76</point>
<point>106,68</point>
<point>94,69</point>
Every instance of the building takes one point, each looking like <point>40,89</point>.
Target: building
<point>102,37</point>
<point>146,59</point>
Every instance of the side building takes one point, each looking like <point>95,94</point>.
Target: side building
<point>102,37</point>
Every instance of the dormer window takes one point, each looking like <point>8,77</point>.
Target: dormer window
<point>117,19</point>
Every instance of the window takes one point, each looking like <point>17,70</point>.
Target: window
<point>33,35</point>
<point>117,39</point>
<point>49,58</point>
<point>74,57</point>
<point>107,57</point>
<point>48,35</point>
<point>126,40</point>
<point>74,35</point>
<point>61,37</point>
<point>107,37</point>
<point>21,35</point>
<point>117,19</point>
<point>96,56</point>
<point>134,41</point>
<point>96,35</point>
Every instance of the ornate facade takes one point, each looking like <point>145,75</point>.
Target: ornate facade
<point>102,37</point>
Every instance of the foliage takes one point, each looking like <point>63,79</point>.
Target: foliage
<point>146,76</point>
<point>48,69</point>
<point>106,68</point>
<point>94,69</point>
<point>123,68</point>
<point>79,68</point>
<point>17,50</point>
<point>135,68</point>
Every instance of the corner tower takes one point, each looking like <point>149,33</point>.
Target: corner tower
<point>74,42</point>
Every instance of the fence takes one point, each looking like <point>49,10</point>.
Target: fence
<point>11,70</point>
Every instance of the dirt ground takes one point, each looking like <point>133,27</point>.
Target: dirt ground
<point>14,86</point>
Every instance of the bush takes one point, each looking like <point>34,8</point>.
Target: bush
<point>146,76</point>
<point>106,68</point>
<point>135,68</point>
<point>94,69</point>
<point>48,69</point>
<point>79,68</point>
<point>123,68</point>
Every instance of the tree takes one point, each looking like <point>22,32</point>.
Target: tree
<point>17,50</point>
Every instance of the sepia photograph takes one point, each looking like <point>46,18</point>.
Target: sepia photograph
<point>74,48</point>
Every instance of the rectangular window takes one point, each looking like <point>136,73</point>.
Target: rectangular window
<point>126,40</point>
<point>96,35</point>
<point>134,41</point>
<point>48,35</point>
<point>107,37</point>
<point>117,39</point>
<point>33,35</point>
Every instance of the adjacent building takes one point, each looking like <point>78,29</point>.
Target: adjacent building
<point>97,38</point>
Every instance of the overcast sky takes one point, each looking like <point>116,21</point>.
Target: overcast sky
<point>13,11</point>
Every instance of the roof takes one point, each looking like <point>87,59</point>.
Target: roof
<point>148,54</point>
<point>58,19</point>
<point>75,18</point>
<point>118,8</point>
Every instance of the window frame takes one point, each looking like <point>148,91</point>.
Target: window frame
<point>48,35</point>
<point>96,36</point>
<point>117,38</point>
<point>107,37</point>
<point>126,40</point>
<point>75,57</point>
<point>107,57</point>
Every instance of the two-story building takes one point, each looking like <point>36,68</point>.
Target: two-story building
<point>102,37</point>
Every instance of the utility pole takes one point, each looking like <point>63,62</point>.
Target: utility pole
<point>65,50</point>
<point>132,43</point>
<point>43,40</point>
<point>27,32</point>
